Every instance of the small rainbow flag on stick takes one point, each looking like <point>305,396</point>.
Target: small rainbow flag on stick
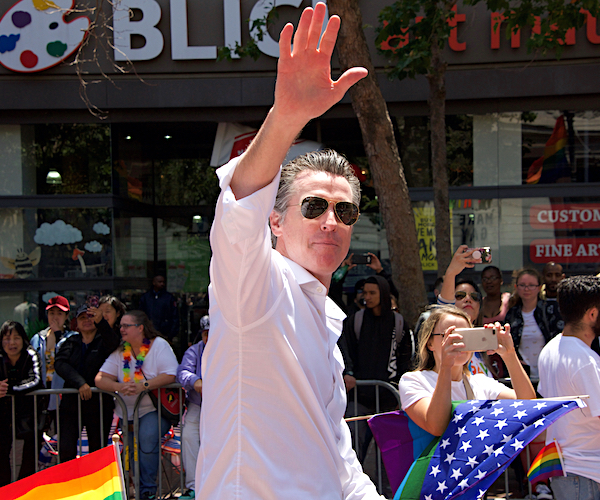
<point>548,463</point>
<point>97,476</point>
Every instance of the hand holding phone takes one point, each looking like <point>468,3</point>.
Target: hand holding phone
<point>361,259</point>
<point>479,339</point>
<point>481,255</point>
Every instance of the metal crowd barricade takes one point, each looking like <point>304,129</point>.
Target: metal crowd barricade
<point>377,384</point>
<point>136,425</point>
<point>56,393</point>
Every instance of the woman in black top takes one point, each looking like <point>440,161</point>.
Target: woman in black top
<point>20,373</point>
<point>79,357</point>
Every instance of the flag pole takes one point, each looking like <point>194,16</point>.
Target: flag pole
<point>560,457</point>
<point>115,444</point>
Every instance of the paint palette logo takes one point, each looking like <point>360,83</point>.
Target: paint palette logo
<point>35,36</point>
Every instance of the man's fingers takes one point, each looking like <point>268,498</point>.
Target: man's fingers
<point>330,36</point>
<point>316,26</point>
<point>349,78</point>
<point>301,35</point>
<point>285,41</point>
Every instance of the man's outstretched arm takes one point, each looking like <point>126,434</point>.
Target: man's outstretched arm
<point>304,90</point>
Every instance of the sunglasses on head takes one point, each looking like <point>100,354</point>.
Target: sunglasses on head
<point>314,206</point>
<point>460,295</point>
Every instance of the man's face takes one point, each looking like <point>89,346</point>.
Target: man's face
<point>371,295</point>
<point>553,275</point>
<point>318,245</point>
<point>158,283</point>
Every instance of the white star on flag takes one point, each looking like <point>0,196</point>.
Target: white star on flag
<point>501,424</point>
<point>450,458</point>
<point>457,418</point>
<point>539,422</point>
<point>478,421</point>
<point>435,470</point>
<point>540,405</point>
<point>516,404</point>
<point>505,438</point>
<point>445,443</point>
<point>483,433</point>
<point>466,445</point>
<point>497,411</point>
<point>489,449</point>
<point>461,431</point>
<point>456,473</point>
<point>473,462</point>
<point>442,486</point>
<point>464,483</point>
<point>480,474</point>
<point>520,414</point>
<point>517,445</point>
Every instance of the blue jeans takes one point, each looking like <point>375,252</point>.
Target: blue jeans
<point>149,450</point>
<point>574,487</point>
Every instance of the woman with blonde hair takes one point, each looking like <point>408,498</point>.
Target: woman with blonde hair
<point>442,374</point>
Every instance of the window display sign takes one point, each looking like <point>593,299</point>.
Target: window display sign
<point>567,250</point>
<point>565,216</point>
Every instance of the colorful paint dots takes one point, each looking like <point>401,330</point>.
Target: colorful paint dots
<point>29,59</point>
<point>21,19</point>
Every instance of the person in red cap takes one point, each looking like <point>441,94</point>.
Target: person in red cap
<point>44,342</point>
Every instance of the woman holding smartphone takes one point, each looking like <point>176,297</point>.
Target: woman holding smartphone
<point>442,374</point>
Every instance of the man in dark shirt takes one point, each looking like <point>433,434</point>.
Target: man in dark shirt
<point>161,308</point>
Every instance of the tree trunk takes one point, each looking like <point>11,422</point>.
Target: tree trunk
<point>384,160</point>
<point>441,199</point>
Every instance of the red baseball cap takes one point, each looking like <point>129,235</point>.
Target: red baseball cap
<point>60,302</point>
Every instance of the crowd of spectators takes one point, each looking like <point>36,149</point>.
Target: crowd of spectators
<point>115,350</point>
<point>122,351</point>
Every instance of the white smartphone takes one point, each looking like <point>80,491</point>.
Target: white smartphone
<point>479,339</point>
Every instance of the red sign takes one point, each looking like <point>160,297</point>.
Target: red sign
<point>567,216</point>
<point>565,250</point>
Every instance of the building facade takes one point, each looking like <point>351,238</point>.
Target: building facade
<point>109,152</point>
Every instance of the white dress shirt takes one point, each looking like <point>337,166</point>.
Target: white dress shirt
<point>272,424</point>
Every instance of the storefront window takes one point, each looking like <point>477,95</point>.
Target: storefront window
<point>55,243</point>
<point>134,245</point>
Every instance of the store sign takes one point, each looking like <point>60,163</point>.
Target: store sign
<point>565,216</point>
<point>36,35</point>
<point>565,250</point>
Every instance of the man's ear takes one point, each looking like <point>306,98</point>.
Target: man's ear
<point>592,315</point>
<point>275,220</point>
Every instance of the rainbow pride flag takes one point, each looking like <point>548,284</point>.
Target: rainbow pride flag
<point>553,166</point>
<point>97,476</point>
<point>548,463</point>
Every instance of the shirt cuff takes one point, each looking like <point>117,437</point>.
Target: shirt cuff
<point>242,219</point>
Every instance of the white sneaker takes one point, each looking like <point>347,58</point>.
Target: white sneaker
<point>542,492</point>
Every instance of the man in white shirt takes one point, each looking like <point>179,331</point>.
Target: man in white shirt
<point>568,367</point>
<point>272,424</point>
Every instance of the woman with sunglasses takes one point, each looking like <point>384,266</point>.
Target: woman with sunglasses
<point>442,373</point>
<point>533,321</point>
<point>467,298</point>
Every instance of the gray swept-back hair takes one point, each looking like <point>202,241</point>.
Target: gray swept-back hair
<point>327,161</point>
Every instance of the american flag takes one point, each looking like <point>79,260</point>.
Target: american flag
<point>481,440</point>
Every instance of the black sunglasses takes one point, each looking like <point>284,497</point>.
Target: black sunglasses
<point>314,206</point>
<point>476,296</point>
